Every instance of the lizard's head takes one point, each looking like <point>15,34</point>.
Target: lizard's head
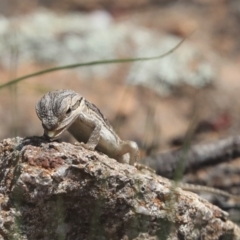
<point>57,110</point>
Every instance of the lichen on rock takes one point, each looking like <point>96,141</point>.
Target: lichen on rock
<point>52,190</point>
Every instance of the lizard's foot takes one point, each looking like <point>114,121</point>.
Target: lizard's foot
<point>86,146</point>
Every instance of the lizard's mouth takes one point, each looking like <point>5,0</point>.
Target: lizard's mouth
<point>54,133</point>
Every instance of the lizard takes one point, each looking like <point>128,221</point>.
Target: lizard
<point>62,110</point>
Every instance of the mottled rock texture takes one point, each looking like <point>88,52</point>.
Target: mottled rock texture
<point>61,191</point>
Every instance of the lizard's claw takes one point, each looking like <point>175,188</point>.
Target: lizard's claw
<point>86,146</point>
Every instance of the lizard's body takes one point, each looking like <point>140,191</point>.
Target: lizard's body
<point>67,110</point>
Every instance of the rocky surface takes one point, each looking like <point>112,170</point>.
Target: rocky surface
<point>61,191</point>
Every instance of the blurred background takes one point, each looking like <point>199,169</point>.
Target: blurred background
<point>152,102</point>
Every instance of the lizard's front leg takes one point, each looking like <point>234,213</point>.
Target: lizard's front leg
<point>95,134</point>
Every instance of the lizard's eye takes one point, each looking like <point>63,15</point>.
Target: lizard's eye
<point>76,105</point>
<point>68,111</point>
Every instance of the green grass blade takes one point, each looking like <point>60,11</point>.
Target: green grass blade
<point>92,63</point>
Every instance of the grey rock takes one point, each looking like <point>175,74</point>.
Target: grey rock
<point>61,191</point>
